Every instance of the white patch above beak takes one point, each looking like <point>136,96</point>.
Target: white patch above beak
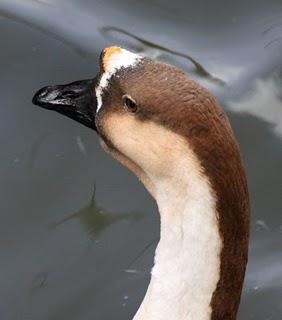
<point>113,59</point>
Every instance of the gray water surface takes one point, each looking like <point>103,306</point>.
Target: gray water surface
<point>78,231</point>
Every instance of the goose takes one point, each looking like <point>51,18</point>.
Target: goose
<point>173,135</point>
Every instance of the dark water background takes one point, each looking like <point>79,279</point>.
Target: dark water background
<point>68,251</point>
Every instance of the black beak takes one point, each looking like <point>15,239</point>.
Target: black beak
<point>76,100</point>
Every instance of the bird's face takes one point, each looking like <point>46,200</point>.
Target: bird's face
<point>142,110</point>
<point>134,97</point>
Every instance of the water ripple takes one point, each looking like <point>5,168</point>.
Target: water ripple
<point>154,50</point>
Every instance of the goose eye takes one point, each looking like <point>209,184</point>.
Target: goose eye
<point>129,103</point>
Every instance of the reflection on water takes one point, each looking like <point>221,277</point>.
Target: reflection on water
<point>263,101</point>
<point>142,45</point>
<point>48,163</point>
<point>94,219</point>
<point>21,18</point>
<point>156,51</point>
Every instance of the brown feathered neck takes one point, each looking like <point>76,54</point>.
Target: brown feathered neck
<point>169,98</point>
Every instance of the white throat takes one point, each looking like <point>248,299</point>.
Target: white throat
<point>187,258</point>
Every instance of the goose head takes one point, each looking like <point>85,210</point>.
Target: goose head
<point>172,133</point>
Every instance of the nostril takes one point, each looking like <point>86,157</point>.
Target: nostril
<point>68,94</point>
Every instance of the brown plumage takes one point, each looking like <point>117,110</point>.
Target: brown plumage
<point>166,96</point>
